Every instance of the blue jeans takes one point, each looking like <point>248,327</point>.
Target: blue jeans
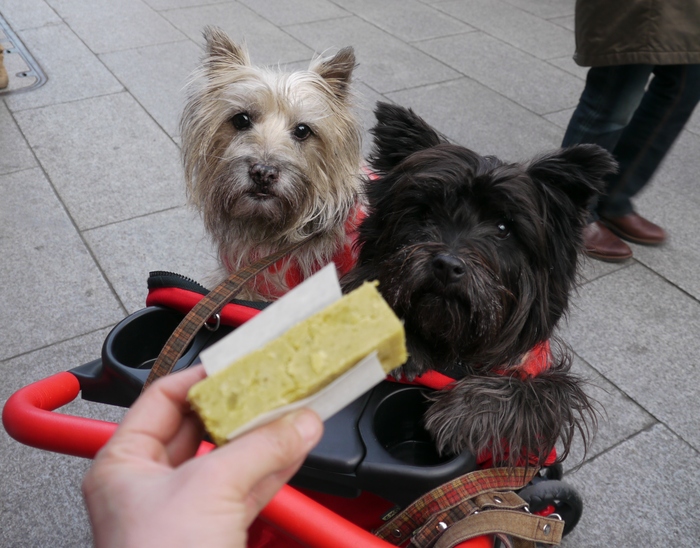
<point>637,125</point>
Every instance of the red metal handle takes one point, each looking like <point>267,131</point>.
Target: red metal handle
<point>29,418</point>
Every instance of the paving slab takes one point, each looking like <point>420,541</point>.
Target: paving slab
<point>293,12</point>
<point>561,118</point>
<point>513,26</point>
<point>408,20</point>
<point>694,122</point>
<point>385,63</point>
<point>643,492</point>
<point>473,115</point>
<point>28,14</point>
<point>366,102</point>
<point>74,72</point>
<point>640,332</point>
<point>52,289</point>
<point>172,240</point>
<point>156,77</point>
<point>567,64</point>
<point>591,269</point>
<point>619,417</point>
<point>679,170</point>
<point>112,26</point>
<point>164,5</point>
<point>40,498</point>
<point>526,80</point>
<point>567,21</point>
<point>546,9</point>
<point>16,154</point>
<point>106,157</point>
<point>267,43</point>
<point>677,259</point>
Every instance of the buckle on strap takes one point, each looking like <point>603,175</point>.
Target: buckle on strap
<point>450,503</point>
<point>527,529</point>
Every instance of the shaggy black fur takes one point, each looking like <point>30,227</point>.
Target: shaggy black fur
<point>478,257</point>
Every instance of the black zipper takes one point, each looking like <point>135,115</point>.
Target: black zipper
<point>162,278</point>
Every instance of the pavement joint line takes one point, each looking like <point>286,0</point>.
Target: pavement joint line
<point>71,219</point>
<point>636,403</point>
<point>20,170</point>
<point>4,361</point>
<point>69,101</point>
<point>140,216</point>
<point>622,266</point>
<point>607,450</point>
<point>669,282</point>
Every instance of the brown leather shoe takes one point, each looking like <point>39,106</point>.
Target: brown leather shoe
<point>603,245</point>
<point>4,80</point>
<point>635,228</point>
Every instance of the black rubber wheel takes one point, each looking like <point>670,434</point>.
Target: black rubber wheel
<point>566,500</point>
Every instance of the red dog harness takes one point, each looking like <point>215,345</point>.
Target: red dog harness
<point>344,259</point>
<point>533,363</point>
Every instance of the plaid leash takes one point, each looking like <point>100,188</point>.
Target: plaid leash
<point>210,305</point>
<point>425,520</point>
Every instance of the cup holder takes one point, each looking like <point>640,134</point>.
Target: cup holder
<point>398,426</point>
<point>137,344</point>
<point>131,349</point>
<point>401,461</point>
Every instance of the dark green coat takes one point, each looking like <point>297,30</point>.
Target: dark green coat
<point>623,32</point>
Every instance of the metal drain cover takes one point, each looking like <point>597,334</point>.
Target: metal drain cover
<point>24,72</point>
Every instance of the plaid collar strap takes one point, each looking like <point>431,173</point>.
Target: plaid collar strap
<point>450,503</point>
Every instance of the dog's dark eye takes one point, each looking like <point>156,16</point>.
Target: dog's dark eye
<point>241,121</point>
<point>302,132</point>
<point>503,230</point>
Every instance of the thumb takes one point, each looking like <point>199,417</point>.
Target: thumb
<point>260,462</point>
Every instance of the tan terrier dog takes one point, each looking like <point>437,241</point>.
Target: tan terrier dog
<point>271,158</point>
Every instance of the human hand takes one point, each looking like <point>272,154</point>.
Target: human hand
<point>144,489</point>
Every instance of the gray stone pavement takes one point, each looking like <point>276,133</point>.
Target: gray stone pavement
<point>92,199</point>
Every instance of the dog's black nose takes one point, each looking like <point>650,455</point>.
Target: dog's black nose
<point>448,268</point>
<point>263,174</point>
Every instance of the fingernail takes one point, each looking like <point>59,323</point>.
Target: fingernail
<point>308,425</point>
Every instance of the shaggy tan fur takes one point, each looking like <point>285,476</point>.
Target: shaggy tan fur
<point>271,157</point>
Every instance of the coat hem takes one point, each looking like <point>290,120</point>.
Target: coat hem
<point>639,58</point>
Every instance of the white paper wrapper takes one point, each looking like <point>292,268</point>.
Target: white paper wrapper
<point>309,297</point>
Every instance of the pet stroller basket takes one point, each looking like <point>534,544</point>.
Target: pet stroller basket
<point>374,459</point>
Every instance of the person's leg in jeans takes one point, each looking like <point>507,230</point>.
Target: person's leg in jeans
<point>607,104</point>
<point>673,93</point>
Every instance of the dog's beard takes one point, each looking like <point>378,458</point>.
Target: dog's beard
<point>237,202</point>
<point>460,319</point>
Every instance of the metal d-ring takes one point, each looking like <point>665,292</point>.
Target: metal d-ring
<point>217,322</point>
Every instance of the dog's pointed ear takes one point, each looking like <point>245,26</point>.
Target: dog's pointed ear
<point>337,70</point>
<point>578,171</point>
<point>221,48</point>
<point>398,133</point>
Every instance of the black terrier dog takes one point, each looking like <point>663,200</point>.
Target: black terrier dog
<point>478,257</point>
